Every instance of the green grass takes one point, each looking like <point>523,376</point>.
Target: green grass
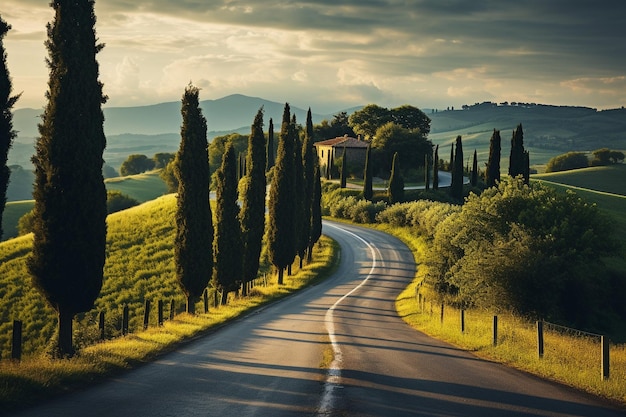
<point>11,215</point>
<point>607,179</point>
<point>139,266</point>
<point>141,187</point>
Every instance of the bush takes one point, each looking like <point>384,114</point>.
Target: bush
<point>116,201</point>
<point>565,162</point>
<point>136,164</point>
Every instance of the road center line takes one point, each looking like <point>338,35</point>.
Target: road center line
<point>334,371</point>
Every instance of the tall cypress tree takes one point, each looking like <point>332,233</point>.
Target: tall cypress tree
<point>302,222</point>
<point>70,211</point>
<point>270,147</point>
<point>316,211</point>
<point>456,188</point>
<point>309,158</point>
<point>343,179</point>
<point>193,244</point>
<point>252,214</point>
<point>436,169</point>
<point>395,193</point>
<point>526,167</point>
<point>7,134</point>
<point>492,173</point>
<point>517,161</point>
<point>227,244</point>
<point>281,231</point>
<point>451,165</point>
<point>368,191</point>
<point>426,173</point>
<point>474,178</point>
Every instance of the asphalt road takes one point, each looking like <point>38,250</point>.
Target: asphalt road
<point>268,363</point>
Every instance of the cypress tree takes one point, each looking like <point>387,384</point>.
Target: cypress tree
<point>193,244</point>
<point>69,221</point>
<point>517,161</point>
<point>436,169</point>
<point>395,193</point>
<point>302,222</point>
<point>227,244</point>
<point>309,158</point>
<point>456,188</point>
<point>426,172</point>
<point>368,191</point>
<point>316,211</point>
<point>281,231</point>
<point>526,167</point>
<point>270,147</point>
<point>492,173</point>
<point>474,178</point>
<point>7,134</point>
<point>252,214</point>
<point>343,179</point>
<point>451,165</point>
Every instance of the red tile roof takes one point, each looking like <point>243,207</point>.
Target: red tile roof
<point>343,141</point>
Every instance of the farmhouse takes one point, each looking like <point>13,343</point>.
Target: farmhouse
<point>330,150</point>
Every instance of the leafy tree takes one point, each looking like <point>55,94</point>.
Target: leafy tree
<point>252,214</point>
<point>492,172</point>
<point>218,145</point>
<point>316,212</point>
<point>194,222</point>
<point>606,156</point>
<point>395,192</point>
<point>168,176</point>
<point>368,191</point>
<point>456,188</point>
<point>161,159</point>
<point>474,178</point>
<point>517,161</point>
<point>117,201</point>
<point>344,169</point>
<point>411,144</point>
<point>70,197</point>
<point>136,164</point>
<point>436,169</point>
<point>339,126</point>
<point>227,245</point>
<point>7,134</point>
<point>109,172</point>
<point>369,119</point>
<point>411,118</point>
<point>570,160</point>
<point>25,223</point>
<point>281,223</point>
<point>270,147</point>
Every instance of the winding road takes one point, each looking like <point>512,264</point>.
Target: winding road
<point>268,363</point>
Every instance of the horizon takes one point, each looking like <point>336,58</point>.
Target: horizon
<point>430,55</point>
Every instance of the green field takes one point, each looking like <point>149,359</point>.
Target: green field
<point>141,187</point>
<point>12,213</point>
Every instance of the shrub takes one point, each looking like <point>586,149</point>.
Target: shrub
<point>565,162</point>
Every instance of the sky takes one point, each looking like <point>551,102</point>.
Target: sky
<point>334,54</point>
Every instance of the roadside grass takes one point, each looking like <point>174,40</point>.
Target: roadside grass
<point>573,361</point>
<point>38,377</point>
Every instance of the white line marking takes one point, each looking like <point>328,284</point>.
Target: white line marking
<point>333,377</point>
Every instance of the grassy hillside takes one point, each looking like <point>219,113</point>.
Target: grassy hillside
<point>12,213</point>
<point>141,187</point>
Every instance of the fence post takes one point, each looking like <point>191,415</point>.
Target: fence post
<point>605,358</point>
<point>540,338</point>
<point>172,310</point>
<point>462,321</point>
<point>160,312</point>
<point>441,313</point>
<point>16,346</point>
<point>205,297</point>
<point>101,325</point>
<point>125,320</point>
<point>146,315</point>
<point>495,330</point>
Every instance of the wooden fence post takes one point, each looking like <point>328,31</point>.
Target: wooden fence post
<point>462,321</point>
<point>605,357</point>
<point>146,315</point>
<point>441,313</point>
<point>101,325</point>
<point>540,338</point>
<point>172,309</point>
<point>205,297</point>
<point>495,330</point>
<point>125,320</point>
<point>160,312</point>
<point>16,345</point>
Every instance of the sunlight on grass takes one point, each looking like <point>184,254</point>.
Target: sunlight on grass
<point>38,377</point>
